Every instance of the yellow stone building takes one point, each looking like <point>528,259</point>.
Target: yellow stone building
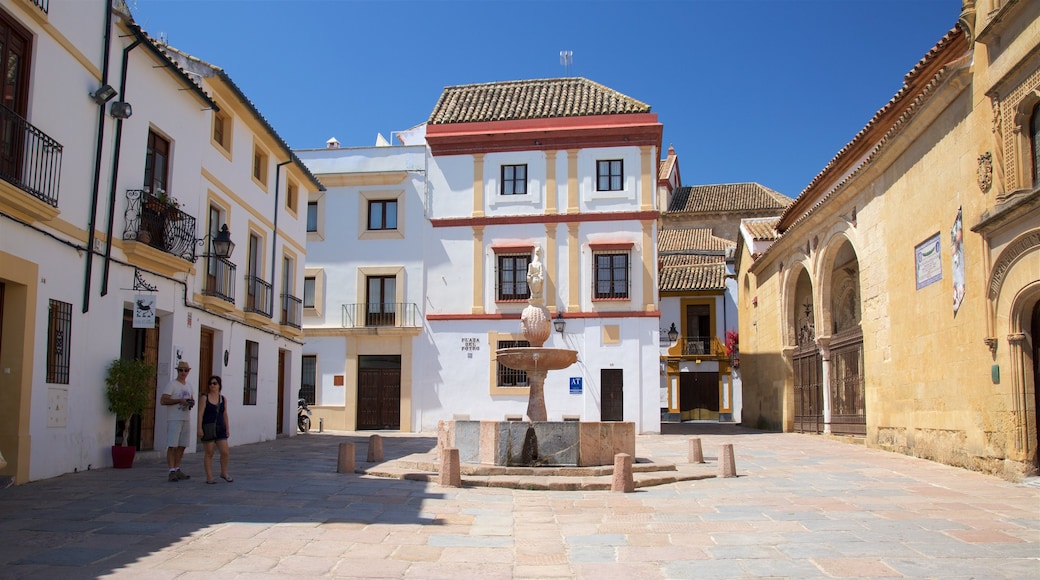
<point>898,299</point>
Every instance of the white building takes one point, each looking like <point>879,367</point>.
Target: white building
<point>571,172</point>
<point>88,227</point>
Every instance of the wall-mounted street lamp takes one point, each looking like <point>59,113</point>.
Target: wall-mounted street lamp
<point>120,110</point>
<point>559,323</point>
<point>673,334</point>
<point>222,244</point>
<point>104,94</point>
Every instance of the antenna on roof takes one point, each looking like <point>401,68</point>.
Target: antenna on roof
<point>164,39</point>
<point>566,59</point>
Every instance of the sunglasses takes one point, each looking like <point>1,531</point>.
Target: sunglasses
<point>214,383</point>
<point>182,370</point>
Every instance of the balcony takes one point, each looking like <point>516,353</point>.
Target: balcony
<point>258,296</point>
<point>43,5</point>
<point>29,159</point>
<point>395,314</point>
<point>219,278</point>
<point>292,311</point>
<point>159,224</point>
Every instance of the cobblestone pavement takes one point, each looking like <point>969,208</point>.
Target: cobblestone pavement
<point>802,507</point>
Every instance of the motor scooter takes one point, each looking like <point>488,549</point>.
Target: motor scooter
<point>303,415</point>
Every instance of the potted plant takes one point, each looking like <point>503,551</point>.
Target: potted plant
<point>128,388</point>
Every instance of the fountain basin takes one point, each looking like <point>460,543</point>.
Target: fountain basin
<point>541,443</point>
<point>530,358</point>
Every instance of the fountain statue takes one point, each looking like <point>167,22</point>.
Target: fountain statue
<point>536,325</point>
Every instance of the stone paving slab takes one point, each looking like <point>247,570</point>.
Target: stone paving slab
<point>801,507</point>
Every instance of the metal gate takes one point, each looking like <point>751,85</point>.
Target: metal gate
<point>379,392</point>
<point>848,400</point>
<point>808,390</point>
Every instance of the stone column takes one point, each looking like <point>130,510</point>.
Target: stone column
<point>1018,388</point>
<point>824,342</point>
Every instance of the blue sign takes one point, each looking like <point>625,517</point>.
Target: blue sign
<point>575,385</point>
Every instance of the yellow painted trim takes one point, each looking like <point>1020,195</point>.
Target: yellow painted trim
<point>572,181</point>
<point>493,387</point>
<point>292,208</point>
<point>229,129</point>
<point>319,291</point>
<point>294,257</point>
<point>611,334</point>
<point>649,286</point>
<point>362,179</point>
<point>364,197</point>
<point>550,267</point>
<point>23,206</point>
<point>19,337</point>
<point>149,258</point>
<point>478,185</point>
<point>265,165</point>
<point>43,19</point>
<point>646,183</point>
<point>227,191</point>
<point>261,232</point>
<point>361,289</point>
<point>478,270</point>
<point>350,370</point>
<point>573,269</point>
<point>550,182</point>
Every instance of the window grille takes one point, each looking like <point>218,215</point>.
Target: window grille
<point>508,377</point>
<point>59,334</point>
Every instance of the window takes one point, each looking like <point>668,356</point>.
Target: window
<point>16,59</point>
<point>512,277</point>
<point>252,371</point>
<point>610,175</point>
<point>1034,135</point>
<point>291,196</point>
<point>508,377</point>
<point>309,379</point>
<point>312,216</point>
<point>59,330</point>
<point>514,179</point>
<point>222,130</point>
<point>382,294</point>
<point>611,270</point>
<point>382,214</point>
<point>308,291</point>
<point>260,166</point>
<point>156,164</point>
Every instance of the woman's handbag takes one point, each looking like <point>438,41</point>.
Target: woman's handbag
<point>209,431</point>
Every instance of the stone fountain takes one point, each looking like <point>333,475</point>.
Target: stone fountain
<point>539,441</point>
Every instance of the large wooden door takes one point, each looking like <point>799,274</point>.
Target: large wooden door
<point>379,392</point>
<point>699,396</point>
<point>612,392</point>
<point>141,344</point>
<point>279,421</point>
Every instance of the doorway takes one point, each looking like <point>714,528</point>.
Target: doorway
<point>140,344</point>
<point>279,419</point>
<point>207,340</point>
<point>699,396</point>
<point>612,392</point>
<point>1034,333</point>
<point>379,392</point>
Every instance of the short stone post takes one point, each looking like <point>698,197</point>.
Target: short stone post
<point>451,475</point>
<point>727,466</point>
<point>346,458</point>
<point>696,453</point>
<point>375,449</point>
<point>442,438</point>
<point>623,480</point>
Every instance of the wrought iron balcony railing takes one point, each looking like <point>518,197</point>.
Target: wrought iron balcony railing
<point>258,296</point>
<point>401,314</point>
<point>292,311</point>
<point>693,345</point>
<point>29,159</point>
<point>159,224</point>
<point>219,278</point>
<point>43,5</point>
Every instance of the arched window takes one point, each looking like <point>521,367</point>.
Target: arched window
<point>1034,143</point>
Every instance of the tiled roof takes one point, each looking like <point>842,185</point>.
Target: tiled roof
<point>530,99</point>
<point>665,169</point>
<point>692,277</point>
<point>762,228</point>
<point>690,259</point>
<point>686,240</point>
<point>727,197</point>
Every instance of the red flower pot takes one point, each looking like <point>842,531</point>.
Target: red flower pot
<point>123,456</point>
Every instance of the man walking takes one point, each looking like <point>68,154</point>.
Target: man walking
<point>179,401</point>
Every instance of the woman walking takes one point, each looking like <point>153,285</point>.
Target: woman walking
<point>214,429</point>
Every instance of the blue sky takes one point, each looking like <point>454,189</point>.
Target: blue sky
<point>748,90</point>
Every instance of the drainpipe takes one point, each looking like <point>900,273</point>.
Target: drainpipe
<point>115,170</point>
<point>274,237</point>
<point>97,163</point>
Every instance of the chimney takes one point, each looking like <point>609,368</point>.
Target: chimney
<point>332,143</point>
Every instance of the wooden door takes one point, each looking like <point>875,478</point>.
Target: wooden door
<point>15,55</point>
<point>279,421</point>
<point>699,396</point>
<point>141,344</point>
<point>379,392</point>
<point>612,394</point>
<point>207,341</point>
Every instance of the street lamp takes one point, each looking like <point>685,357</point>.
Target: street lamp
<point>559,323</point>
<point>673,334</point>
<point>222,244</point>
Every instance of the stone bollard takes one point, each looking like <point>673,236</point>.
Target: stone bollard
<point>442,438</point>
<point>696,453</point>
<point>727,466</point>
<point>622,480</point>
<point>375,449</point>
<point>346,458</point>
<point>451,475</point>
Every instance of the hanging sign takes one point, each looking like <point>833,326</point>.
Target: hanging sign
<point>144,311</point>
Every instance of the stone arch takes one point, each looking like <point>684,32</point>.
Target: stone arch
<point>1023,114</point>
<point>838,291</point>
<point>797,291</point>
